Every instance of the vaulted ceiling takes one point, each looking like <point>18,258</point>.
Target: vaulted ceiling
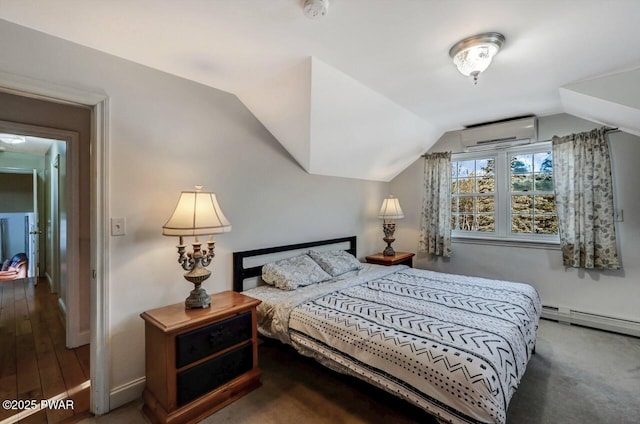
<point>365,90</point>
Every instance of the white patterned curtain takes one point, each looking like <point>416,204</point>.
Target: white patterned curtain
<point>584,200</point>
<point>435,231</point>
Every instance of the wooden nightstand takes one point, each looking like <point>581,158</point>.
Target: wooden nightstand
<point>400,258</point>
<point>199,360</point>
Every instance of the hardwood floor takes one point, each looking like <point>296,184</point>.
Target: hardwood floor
<point>34,362</point>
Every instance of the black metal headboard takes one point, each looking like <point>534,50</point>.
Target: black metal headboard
<point>240,273</point>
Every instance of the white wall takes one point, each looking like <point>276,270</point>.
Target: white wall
<point>166,135</point>
<point>609,293</point>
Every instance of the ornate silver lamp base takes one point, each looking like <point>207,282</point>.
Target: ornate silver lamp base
<point>388,251</point>
<point>195,263</point>
<point>389,228</point>
<point>197,299</point>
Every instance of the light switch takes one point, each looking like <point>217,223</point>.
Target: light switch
<point>118,226</point>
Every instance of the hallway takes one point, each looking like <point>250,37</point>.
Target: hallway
<point>35,365</point>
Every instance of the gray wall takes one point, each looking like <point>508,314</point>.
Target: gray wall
<point>16,192</point>
<point>15,235</point>
<point>166,135</point>
<point>609,293</point>
<point>16,199</point>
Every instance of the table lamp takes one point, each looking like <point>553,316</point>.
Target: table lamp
<point>390,211</point>
<point>196,214</point>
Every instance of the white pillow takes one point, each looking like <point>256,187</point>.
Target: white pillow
<point>336,262</point>
<point>291,273</point>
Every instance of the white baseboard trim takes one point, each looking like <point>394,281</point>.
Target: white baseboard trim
<point>82,338</point>
<point>126,393</point>
<point>586,319</point>
<point>62,306</point>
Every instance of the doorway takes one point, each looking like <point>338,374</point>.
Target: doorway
<point>51,322</point>
<point>52,100</point>
<point>53,155</point>
<point>18,215</point>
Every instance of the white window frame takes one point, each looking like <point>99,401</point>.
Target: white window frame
<point>502,223</point>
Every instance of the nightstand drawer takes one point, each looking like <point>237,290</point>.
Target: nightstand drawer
<point>199,360</point>
<point>208,340</point>
<point>211,374</point>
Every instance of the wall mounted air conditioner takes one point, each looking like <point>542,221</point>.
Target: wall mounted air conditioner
<point>500,135</point>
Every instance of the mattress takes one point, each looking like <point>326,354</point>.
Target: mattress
<point>456,346</point>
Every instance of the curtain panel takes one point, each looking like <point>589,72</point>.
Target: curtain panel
<point>584,200</point>
<point>435,229</point>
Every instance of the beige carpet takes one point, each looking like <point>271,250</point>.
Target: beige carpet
<point>578,375</point>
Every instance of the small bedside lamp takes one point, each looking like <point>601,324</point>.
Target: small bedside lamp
<point>390,211</point>
<point>197,213</point>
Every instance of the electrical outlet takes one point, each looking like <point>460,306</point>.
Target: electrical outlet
<point>617,215</point>
<point>118,227</point>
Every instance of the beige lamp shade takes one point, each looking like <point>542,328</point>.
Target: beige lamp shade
<point>197,213</point>
<point>391,209</point>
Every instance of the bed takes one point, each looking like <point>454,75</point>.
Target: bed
<point>455,346</point>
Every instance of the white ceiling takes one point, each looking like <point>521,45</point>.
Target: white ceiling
<point>33,146</point>
<point>397,48</point>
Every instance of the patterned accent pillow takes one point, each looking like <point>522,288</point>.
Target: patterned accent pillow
<point>291,273</point>
<point>336,262</point>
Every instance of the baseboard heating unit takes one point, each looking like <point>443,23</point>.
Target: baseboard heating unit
<point>586,319</point>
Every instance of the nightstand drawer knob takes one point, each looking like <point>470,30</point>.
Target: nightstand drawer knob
<point>215,334</point>
<point>213,338</point>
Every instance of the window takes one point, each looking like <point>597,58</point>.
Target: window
<point>533,205</point>
<point>504,194</point>
<point>473,195</point>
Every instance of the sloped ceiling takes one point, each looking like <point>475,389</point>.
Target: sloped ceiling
<point>334,125</point>
<point>396,49</point>
<point>611,100</point>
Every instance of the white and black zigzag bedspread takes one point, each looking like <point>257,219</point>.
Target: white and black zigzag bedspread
<point>455,346</point>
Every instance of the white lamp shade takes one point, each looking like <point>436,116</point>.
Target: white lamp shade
<point>391,209</point>
<point>197,213</point>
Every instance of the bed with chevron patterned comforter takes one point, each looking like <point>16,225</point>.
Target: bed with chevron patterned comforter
<point>456,346</point>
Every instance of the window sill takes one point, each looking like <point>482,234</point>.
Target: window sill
<point>529,244</point>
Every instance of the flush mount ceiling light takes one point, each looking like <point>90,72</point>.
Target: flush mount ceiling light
<point>473,54</point>
<point>12,138</point>
<point>314,9</point>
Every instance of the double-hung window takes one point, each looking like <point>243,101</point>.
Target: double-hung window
<point>504,195</point>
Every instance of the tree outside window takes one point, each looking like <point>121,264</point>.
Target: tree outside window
<point>531,194</point>
<point>504,194</point>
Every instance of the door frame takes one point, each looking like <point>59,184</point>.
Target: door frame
<point>99,310</point>
<point>53,192</point>
<point>71,300</point>
<point>34,230</point>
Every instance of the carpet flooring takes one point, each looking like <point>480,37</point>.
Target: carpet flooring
<point>578,375</point>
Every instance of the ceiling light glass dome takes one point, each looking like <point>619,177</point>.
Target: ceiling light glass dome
<point>473,55</point>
